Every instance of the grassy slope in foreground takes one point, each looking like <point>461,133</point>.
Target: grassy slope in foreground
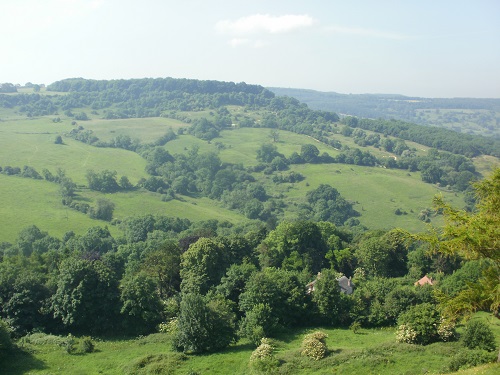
<point>372,351</point>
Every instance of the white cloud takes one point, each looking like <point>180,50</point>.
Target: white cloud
<point>260,44</point>
<point>365,32</point>
<point>235,42</point>
<point>239,42</point>
<point>244,30</point>
<point>264,23</point>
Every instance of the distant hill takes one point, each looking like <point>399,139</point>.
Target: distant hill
<point>465,115</point>
<point>208,150</point>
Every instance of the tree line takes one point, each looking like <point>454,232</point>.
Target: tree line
<point>209,283</point>
<point>159,97</point>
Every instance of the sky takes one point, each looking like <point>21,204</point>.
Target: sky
<point>428,48</point>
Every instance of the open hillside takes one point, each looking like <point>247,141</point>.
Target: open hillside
<point>366,351</point>
<point>192,227</point>
<point>361,164</point>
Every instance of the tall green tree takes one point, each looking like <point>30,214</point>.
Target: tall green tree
<point>383,254</point>
<point>267,152</point>
<point>309,153</point>
<point>204,326</point>
<point>473,235</point>
<point>163,265</point>
<point>295,245</point>
<point>282,291</point>
<point>332,305</point>
<point>141,304</point>
<point>87,296</point>
<point>203,265</point>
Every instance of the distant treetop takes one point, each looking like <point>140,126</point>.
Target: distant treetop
<point>192,86</point>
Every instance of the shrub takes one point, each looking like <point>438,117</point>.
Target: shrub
<point>5,340</point>
<point>479,336</point>
<point>355,327</point>
<point>406,334</point>
<point>204,325</point>
<point>470,358</point>
<point>69,344</point>
<point>86,345</point>
<point>164,363</point>
<point>446,330</point>
<point>259,322</point>
<point>169,327</point>
<point>314,345</point>
<point>40,338</point>
<point>419,325</point>
<point>263,359</point>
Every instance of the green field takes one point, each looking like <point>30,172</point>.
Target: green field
<point>371,351</point>
<point>134,128</point>
<point>377,192</point>
<point>24,202</point>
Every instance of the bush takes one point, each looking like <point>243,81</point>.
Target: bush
<point>259,322</point>
<point>103,210</point>
<point>69,344</point>
<point>406,334</point>
<point>86,345</point>
<point>446,330</point>
<point>419,325</point>
<point>40,338</point>
<point>314,345</point>
<point>479,336</point>
<point>355,327</point>
<point>204,325</point>
<point>262,359</point>
<point>5,340</point>
<point>170,327</point>
<point>164,363</point>
<point>470,358</point>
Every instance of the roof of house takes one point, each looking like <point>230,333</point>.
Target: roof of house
<point>345,284</point>
<point>424,280</point>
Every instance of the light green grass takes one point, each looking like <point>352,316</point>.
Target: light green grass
<point>372,351</point>
<point>378,192</point>
<point>31,142</point>
<point>25,202</point>
<point>145,129</point>
<point>143,202</point>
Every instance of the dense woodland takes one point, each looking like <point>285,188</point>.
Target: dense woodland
<point>209,283</point>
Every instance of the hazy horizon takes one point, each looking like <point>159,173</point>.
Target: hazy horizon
<point>426,49</point>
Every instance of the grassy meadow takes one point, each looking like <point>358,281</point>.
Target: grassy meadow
<point>134,128</point>
<point>370,351</point>
<point>25,202</point>
<point>378,192</point>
